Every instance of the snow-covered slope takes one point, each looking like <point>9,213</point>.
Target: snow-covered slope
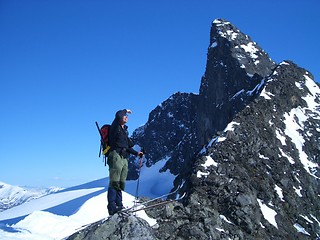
<point>58,215</point>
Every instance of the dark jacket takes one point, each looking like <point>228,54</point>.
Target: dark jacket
<point>119,139</point>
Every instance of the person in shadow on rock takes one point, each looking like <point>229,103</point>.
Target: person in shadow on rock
<point>121,147</point>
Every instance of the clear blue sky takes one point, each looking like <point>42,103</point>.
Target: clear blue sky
<point>65,64</point>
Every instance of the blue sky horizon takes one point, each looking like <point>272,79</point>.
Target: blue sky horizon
<point>66,64</point>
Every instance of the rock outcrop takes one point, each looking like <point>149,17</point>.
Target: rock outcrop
<point>117,227</point>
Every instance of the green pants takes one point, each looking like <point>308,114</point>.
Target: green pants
<point>118,170</point>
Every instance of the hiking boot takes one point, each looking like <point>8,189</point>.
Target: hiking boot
<point>116,210</point>
<point>112,208</point>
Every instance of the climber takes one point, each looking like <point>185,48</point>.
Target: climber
<point>121,148</point>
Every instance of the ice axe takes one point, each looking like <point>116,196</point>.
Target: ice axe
<point>140,166</point>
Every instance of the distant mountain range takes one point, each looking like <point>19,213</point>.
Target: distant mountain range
<point>11,196</point>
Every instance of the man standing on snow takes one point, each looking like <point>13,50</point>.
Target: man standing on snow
<point>121,148</point>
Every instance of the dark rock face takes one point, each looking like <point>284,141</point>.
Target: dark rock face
<point>259,166</point>
<point>235,65</point>
<point>169,132</point>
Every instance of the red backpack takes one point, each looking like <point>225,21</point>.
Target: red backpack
<point>104,140</point>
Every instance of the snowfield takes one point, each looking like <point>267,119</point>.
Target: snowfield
<point>45,225</point>
<point>59,215</point>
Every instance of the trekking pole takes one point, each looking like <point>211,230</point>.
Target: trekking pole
<point>138,183</point>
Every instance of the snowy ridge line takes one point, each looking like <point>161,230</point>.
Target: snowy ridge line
<point>45,202</point>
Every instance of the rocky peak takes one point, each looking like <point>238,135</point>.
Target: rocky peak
<point>235,66</point>
<point>249,54</point>
<point>178,127</point>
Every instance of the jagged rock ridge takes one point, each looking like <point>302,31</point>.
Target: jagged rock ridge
<point>261,164</point>
<point>257,123</point>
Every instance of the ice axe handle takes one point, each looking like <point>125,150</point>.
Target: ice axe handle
<point>141,156</point>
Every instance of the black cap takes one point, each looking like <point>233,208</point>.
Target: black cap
<point>121,113</point>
